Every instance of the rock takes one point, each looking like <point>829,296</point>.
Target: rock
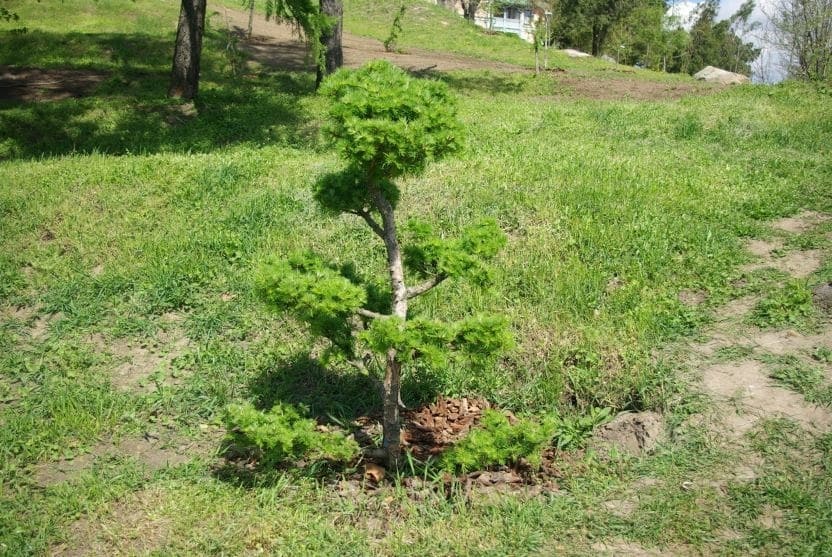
<point>822,296</point>
<point>717,75</point>
<point>633,433</point>
<point>572,53</point>
<point>608,58</point>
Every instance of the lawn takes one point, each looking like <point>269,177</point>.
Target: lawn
<point>131,225</point>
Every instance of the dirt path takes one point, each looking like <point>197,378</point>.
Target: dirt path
<point>743,389</point>
<point>279,46</point>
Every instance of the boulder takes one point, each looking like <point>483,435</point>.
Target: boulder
<point>723,77</point>
<point>608,58</point>
<point>572,53</point>
<point>632,433</point>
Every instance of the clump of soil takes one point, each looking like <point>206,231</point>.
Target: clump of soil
<point>630,433</point>
<point>822,296</point>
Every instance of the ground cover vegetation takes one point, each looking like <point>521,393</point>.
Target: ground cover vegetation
<point>133,339</point>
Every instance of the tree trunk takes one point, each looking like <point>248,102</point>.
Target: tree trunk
<point>184,79</point>
<point>250,18</point>
<point>469,9</point>
<point>331,39</point>
<point>391,426</point>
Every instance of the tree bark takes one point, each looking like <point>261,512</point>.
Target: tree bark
<point>184,79</point>
<point>331,39</point>
<point>469,9</point>
<point>391,386</point>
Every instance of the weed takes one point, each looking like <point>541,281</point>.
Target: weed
<point>498,442</point>
<point>789,305</point>
<point>282,435</point>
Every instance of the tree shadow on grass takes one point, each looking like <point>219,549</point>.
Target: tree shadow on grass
<point>492,83</point>
<point>129,111</point>
<point>327,393</point>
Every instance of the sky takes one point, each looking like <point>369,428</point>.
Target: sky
<point>684,9</point>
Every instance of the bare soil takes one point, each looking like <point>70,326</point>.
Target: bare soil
<point>132,526</point>
<point>36,84</point>
<point>280,47</point>
<point>743,391</point>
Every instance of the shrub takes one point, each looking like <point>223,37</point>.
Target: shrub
<point>282,434</point>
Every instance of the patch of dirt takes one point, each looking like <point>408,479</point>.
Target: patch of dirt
<point>144,362</point>
<point>801,222</point>
<point>153,451</point>
<point>278,46</point>
<point>633,433</point>
<point>621,88</point>
<point>736,309</point>
<point>622,548</point>
<point>799,264</point>
<point>35,84</point>
<point>132,526</point>
<point>763,248</point>
<point>787,341</point>
<point>692,298</point>
<point>747,394</point>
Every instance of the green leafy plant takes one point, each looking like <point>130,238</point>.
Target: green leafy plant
<point>386,125</point>
<point>282,434</point>
<point>391,42</point>
<point>572,432</point>
<point>497,442</point>
<point>790,305</point>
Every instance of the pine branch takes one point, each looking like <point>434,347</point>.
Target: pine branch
<point>420,289</point>
<point>371,314</point>
<point>371,222</point>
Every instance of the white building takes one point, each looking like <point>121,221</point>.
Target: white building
<point>516,17</point>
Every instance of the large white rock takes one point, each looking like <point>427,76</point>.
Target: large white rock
<point>572,53</point>
<point>717,75</point>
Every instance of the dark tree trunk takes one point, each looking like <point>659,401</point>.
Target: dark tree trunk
<point>469,9</point>
<point>331,39</point>
<point>184,79</point>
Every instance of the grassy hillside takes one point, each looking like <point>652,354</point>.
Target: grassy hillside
<point>130,228</point>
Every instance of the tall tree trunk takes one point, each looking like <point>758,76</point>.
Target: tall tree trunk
<point>469,9</point>
<point>391,387</point>
<point>184,79</point>
<point>331,39</point>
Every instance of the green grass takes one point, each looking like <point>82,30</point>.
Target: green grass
<point>112,218</point>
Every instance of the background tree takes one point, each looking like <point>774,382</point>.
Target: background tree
<point>802,30</point>
<point>469,9</point>
<point>386,124</point>
<point>586,24</point>
<point>306,15</point>
<point>714,43</point>
<point>184,78</point>
<point>333,53</point>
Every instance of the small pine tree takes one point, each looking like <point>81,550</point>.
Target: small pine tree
<point>386,124</point>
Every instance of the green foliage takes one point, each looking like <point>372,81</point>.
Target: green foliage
<point>386,123</point>
<point>282,434</point>
<point>714,43</point>
<point>429,255</point>
<point>790,305</point>
<point>498,442</point>
<point>314,291</point>
<point>476,340</point>
<point>391,42</point>
<point>347,191</point>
